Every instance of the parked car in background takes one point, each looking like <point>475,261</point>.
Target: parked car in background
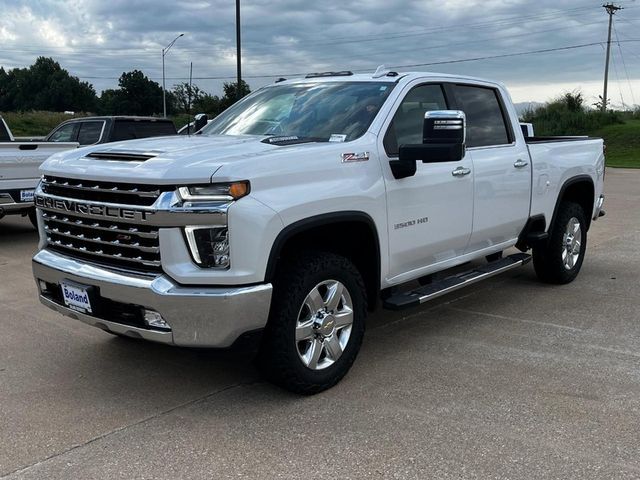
<point>19,162</point>
<point>95,130</point>
<point>201,120</point>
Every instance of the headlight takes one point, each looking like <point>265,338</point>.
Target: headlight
<point>214,192</point>
<point>209,246</point>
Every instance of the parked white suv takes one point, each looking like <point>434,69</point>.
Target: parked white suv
<point>301,206</point>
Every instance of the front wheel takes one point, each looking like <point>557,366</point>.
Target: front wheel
<point>560,259</point>
<point>316,324</point>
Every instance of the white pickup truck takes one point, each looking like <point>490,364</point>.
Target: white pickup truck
<point>19,162</point>
<point>298,209</point>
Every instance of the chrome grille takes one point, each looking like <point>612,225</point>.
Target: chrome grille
<point>107,192</point>
<point>103,241</point>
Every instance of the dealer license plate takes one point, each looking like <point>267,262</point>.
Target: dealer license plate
<point>26,195</point>
<point>76,297</point>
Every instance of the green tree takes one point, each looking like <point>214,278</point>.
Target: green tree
<point>209,104</point>
<point>137,95</point>
<point>186,96</point>
<point>45,85</point>
<point>231,93</point>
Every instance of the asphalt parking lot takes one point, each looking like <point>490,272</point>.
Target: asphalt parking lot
<point>508,379</point>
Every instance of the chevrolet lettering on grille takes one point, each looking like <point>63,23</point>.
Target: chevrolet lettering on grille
<point>88,209</point>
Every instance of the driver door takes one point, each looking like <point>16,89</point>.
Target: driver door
<point>430,214</point>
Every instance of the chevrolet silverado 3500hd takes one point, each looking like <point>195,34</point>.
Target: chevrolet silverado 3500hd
<point>296,210</point>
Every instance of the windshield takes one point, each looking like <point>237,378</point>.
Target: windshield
<point>339,111</point>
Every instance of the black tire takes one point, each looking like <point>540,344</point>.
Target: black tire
<point>279,358</point>
<point>548,258</point>
<point>33,218</point>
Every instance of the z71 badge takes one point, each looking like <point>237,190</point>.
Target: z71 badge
<point>355,157</point>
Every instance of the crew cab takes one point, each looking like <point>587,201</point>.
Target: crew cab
<point>304,206</point>
<point>95,130</point>
<point>19,162</point>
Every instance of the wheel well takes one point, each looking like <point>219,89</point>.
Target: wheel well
<point>582,192</point>
<point>353,238</point>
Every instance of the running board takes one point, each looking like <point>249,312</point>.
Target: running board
<point>420,295</point>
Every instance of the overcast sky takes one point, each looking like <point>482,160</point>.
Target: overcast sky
<point>97,40</point>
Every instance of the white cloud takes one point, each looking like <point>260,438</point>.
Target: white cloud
<point>93,38</point>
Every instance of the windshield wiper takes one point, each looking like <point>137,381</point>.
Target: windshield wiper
<point>282,140</point>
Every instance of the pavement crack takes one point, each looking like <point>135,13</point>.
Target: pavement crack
<point>514,319</point>
<point>195,401</point>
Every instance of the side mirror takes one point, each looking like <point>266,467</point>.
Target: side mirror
<point>443,140</point>
<point>201,120</point>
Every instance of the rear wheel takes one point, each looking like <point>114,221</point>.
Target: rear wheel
<point>559,260</point>
<point>316,323</point>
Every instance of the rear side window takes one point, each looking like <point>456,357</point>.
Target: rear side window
<point>65,133</point>
<point>90,133</point>
<point>130,129</point>
<point>408,121</point>
<point>485,119</point>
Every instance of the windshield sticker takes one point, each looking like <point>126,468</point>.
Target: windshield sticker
<point>355,157</point>
<point>383,88</point>
<point>337,137</point>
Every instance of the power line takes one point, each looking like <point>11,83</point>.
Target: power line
<point>624,64</point>
<point>444,62</point>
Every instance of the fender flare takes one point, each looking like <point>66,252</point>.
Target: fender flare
<point>572,181</point>
<point>309,223</point>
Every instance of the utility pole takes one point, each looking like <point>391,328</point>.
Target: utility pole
<point>611,10</point>
<point>238,51</point>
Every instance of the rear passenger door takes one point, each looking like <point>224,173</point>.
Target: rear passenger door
<point>501,166</point>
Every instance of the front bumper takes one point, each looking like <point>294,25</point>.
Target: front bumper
<point>198,316</point>
<point>8,204</point>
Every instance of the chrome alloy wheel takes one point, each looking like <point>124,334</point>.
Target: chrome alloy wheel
<point>324,325</point>
<point>571,243</point>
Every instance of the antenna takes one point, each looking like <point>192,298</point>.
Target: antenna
<point>189,102</point>
<point>381,71</point>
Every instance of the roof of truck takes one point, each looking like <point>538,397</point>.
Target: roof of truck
<point>119,117</point>
<point>385,76</point>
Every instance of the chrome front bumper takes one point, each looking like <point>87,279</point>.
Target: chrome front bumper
<point>198,316</point>
<point>8,205</point>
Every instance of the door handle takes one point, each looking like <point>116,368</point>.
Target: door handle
<point>461,172</point>
<point>520,163</point>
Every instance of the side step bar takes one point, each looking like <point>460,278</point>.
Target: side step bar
<point>420,295</point>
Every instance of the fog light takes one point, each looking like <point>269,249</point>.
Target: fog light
<point>43,286</point>
<point>155,320</point>
<point>209,246</point>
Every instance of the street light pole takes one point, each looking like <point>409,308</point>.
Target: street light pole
<point>164,52</point>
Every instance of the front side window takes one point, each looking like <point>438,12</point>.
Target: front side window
<point>485,120</point>
<point>65,133</point>
<point>408,122</point>
<point>90,133</point>
<point>314,110</point>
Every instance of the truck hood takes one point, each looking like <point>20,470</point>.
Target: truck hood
<point>175,159</point>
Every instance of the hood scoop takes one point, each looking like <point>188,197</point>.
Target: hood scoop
<point>123,156</point>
